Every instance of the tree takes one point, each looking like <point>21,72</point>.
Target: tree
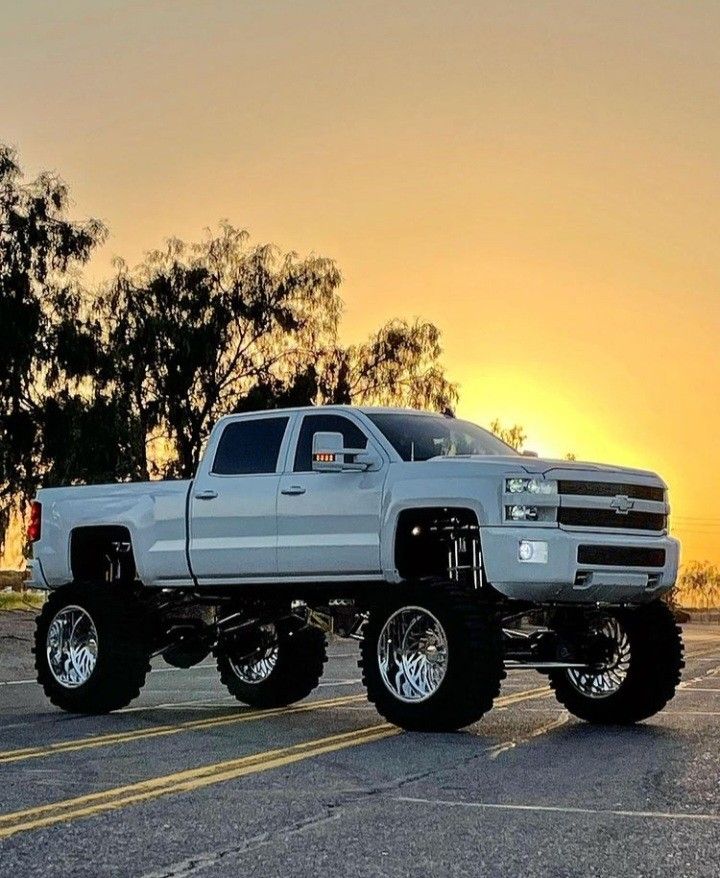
<point>196,330</point>
<point>514,436</point>
<point>699,585</point>
<point>40,251</point>
<point>126,383</point>
<point>399,365</point>
<point>201,330</point>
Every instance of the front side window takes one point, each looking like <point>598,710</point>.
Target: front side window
<point>420,437</point>
<point>353,437</point>
<point>250,447</point>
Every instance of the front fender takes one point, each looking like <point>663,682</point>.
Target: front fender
<point>479,495</point>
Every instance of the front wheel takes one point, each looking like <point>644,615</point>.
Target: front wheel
<point>432,658</point>
<point>92,647</point>
<point>285,667</point>
<point>642,658</point>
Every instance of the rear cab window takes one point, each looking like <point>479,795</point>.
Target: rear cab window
<point>250,447</point>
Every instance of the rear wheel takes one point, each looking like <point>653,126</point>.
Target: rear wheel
<point>284,668</point>
<point>92,647</point>
<point>642,658</point>
<point>432,658</point>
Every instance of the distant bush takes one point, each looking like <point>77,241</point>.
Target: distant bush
<point>13,579</point>
<point>698,586</point>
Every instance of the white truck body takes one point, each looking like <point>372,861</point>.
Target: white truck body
<point>603,531</point>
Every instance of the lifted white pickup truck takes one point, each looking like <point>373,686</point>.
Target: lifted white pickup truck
<point>449,554</point>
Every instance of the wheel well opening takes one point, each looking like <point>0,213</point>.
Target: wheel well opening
<point>102,553</point>
<point>438,542</point>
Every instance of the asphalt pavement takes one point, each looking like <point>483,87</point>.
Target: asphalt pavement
<point>188,782</point>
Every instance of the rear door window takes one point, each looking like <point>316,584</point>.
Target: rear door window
<point>250,447</point>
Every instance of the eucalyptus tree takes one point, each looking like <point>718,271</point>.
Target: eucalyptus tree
<point>200,330</point>
<point>41,250</point>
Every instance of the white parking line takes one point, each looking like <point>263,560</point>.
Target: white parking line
<point>153,671</point>
<point>340,682</point>
<point>667,712</point>
<point>208,666</point>
<point>686,691</point>
<point>560,809</point>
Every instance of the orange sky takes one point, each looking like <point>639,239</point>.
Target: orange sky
<point>539,178</point>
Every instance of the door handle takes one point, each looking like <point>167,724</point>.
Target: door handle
<point>293,490</point>
<point>206,495</point>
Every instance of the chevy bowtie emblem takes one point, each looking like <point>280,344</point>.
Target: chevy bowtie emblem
<point>622,504</point>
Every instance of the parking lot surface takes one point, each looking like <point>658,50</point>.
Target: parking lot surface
<point>188,782</point>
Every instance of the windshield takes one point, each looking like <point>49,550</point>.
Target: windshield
<point>420,437</point>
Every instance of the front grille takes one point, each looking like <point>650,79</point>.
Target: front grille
<point>611,489</point>
<point>609,518</point>
<point>620,556</point>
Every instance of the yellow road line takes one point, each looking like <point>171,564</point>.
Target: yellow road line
<point>703,652</point>
<point>106,740</point>
<point>527,695</point>
<point>185,781</point>
<point>162,731</point>
<point>196,778</point>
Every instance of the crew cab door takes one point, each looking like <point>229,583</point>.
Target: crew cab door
<point>233,501</point>
<point>329,523</point>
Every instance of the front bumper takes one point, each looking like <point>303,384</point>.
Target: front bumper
<point>563,579</point>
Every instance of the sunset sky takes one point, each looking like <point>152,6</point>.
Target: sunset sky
<point>541,179</point>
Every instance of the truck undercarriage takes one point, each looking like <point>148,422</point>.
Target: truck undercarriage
<point>271,653</point>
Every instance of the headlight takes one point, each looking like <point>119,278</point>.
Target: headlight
<point>519,485</point>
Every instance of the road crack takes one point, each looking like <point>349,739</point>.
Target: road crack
<point>191,866</point>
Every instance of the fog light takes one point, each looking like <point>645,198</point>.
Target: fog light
<point>533,551</point>
<point>522,513</point>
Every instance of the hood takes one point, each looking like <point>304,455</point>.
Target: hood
<point>559,468</point>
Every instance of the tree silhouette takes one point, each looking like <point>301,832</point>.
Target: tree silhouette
<point>699,585</point>
<point>126,382</point>
<point>200,330</point>
<point>514,436</point>
<point>196,330</point>
<point>40,250</point>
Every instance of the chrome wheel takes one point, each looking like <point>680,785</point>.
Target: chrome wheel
<point>412,654</point>
<point>258,666</point>
<point>72,647</point>
<point>606,680</point>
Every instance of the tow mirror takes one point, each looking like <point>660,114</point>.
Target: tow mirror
<point>330,456</point>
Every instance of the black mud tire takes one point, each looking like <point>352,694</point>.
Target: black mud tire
<point>474,669</point>
<point>123,647</point>
<point>300,662</point>
<point>656,663</point>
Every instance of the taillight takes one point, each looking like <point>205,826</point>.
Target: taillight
<point>34,528</point>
